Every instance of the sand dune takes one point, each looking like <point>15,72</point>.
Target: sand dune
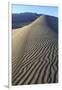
<point>35,54</point>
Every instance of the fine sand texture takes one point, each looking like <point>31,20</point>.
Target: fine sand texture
<point>34,54</point>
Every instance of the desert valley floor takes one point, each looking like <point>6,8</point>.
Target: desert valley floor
<point>34,54</point>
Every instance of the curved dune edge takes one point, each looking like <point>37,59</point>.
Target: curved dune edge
<point>34,54</point>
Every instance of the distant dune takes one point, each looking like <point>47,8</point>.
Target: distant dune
<point>35,53</point>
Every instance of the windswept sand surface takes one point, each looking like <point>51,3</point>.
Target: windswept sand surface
<point>35,54</point>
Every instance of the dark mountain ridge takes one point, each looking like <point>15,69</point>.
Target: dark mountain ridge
<point>22,19</point>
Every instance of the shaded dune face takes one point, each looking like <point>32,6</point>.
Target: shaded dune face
<point>35,54</point>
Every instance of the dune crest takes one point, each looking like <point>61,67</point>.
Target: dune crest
<point>40,21</point>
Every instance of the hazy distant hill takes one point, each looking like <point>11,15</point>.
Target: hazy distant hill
<point>52,22</point>
<point>19,20</point>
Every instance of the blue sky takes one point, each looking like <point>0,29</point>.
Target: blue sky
<point>49,10</point>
